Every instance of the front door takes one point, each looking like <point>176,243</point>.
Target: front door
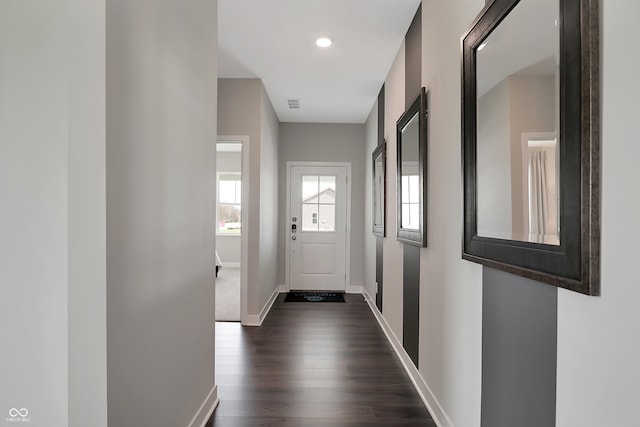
<point>317,227</point>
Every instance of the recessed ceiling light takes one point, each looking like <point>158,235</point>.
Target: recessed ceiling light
<point>323,41</point>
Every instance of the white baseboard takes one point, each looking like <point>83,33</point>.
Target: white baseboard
<point>429,400</point>
<point>366,296</point>
<point>230,264</point>
<point>354,289</point>
<point>256,320</point>
<point>206,409</point>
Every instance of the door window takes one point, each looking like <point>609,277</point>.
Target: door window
<point>318,203</point>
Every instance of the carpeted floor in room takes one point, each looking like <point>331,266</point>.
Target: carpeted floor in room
<point>228,295</point>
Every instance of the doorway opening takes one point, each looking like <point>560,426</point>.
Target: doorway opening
<point>231,228</point>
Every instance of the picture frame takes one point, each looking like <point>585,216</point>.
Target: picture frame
<point>412,146</point>
<point>572,259</point>
<point>379,188</point>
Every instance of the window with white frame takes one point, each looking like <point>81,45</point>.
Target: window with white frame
<point>229,203</point>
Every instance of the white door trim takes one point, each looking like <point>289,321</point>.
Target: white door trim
<point>346,165</point>
<point>244,246</point>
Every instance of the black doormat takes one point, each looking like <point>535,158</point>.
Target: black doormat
<point>314,297</point>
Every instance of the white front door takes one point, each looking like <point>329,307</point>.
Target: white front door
<point>317,227</point>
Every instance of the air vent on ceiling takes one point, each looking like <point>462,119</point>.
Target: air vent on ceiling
<point>294,104</point>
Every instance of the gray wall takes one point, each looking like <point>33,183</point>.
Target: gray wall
<point>322,142</point>
<point>161,127</point>
<point>245,109</point>
<point>269,193</point>
<point>52,187</point>
<point>519,335</point>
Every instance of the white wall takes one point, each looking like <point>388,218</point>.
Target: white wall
<point>161,130</point>
<point>326,142</point>
<point>52,267</point>
<point>245,109</point>
<point>598,346</point>
<point>394,107</point>
<point>451,289</point>
<point>87,216</point>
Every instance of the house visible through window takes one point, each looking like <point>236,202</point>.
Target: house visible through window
<point>229,203</point>
<point>318,203</point>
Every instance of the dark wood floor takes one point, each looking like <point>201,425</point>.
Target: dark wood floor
<point>313,365</point>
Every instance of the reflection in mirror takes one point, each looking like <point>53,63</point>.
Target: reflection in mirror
<point>378,189</point>
<point>518,157</point>
<point>411,172</point>
<point>410,197</point>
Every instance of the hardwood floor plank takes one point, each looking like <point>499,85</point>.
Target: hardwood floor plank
<point>313,365</point>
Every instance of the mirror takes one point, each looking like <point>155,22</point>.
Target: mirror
<point>411,130</point>
<point>517,98</point>
<point>531,141</point>
<point>379,158</point>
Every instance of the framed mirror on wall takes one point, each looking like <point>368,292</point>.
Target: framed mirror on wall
<point>531,141</point>
<point>411,198</point>
<point>379,187</point>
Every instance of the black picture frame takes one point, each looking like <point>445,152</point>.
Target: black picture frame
<point>574,264</point>
<point>379,188</point>
<point>416,236</point>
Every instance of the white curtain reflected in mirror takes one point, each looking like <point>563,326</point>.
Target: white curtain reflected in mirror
<point>538,202</point>
<point>542,218</point>
<point>517,71</point>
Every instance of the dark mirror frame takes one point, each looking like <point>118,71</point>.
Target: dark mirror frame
<point>575,263</point>
<point>418,106</point>
<point>379,153</point>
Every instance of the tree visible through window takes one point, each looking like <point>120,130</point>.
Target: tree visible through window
<point>229,203</point>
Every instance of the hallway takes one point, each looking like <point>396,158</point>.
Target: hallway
<point>313,364</point>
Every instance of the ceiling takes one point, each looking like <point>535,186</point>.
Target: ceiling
<point>274,40</point>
